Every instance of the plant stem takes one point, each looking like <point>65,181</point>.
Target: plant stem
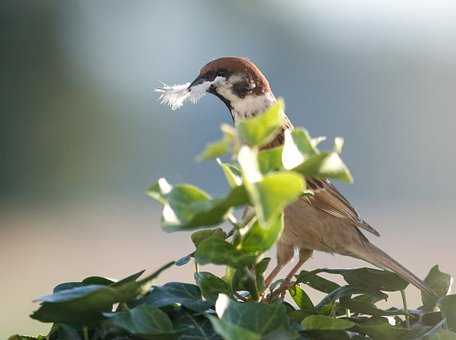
<point>196,266</point>
<point>85,332</point>
<point>406,311</point>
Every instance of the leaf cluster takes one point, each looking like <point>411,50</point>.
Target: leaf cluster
<point>235,231</point>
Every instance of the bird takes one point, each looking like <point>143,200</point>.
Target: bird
<point>324,221</point>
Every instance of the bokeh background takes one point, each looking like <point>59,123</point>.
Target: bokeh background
<point>82,134</point>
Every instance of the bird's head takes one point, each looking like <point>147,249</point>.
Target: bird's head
<point>236,81</point>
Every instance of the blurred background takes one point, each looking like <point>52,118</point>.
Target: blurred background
<point>83,136</point>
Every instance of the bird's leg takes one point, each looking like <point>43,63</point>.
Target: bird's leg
<point>304,255</point>
<point>272,275</point>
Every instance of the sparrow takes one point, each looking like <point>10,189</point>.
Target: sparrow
<point>325,221</point>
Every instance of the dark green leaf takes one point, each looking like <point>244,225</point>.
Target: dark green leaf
<point>321,322</point>
<point>186,207</point>
<point>218,251</point>
<point>439,282</point>
<point>317,282</point>
<point>85,305</point>
<point>259,239</point>
<point>372,279</point>
<point>177,293</point>
<point>142,320</point>
<point>448,308</point>
<point>443,334</point>
<point>380,329</point>
<point>193,327</point>
<point>201,235</point>
<point>230,331</point>
<point>211,286</point>
<point>345,291</point>
<point>262,128</point>
<point>256,317</point>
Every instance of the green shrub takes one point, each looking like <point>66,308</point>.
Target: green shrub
<point>237,305</point>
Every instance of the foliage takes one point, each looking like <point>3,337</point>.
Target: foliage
<point>261,183</point>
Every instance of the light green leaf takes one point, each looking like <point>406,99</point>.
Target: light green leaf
<point>259,239</point>
<point>220,147</point>
<point>262,128</point>
<point>301,298</point>
<point>325,165</point>
<point>187,207</point>
<point>232,174</point>
<point>270,160</point>
<point>322,322</point>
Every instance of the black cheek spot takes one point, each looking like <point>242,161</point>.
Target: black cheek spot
<point>242,88</point>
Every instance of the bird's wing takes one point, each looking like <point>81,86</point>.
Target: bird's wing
<point>328,199</point>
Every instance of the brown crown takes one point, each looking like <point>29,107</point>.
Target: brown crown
<point>235,65</point>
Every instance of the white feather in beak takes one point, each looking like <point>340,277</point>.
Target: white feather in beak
<point>176,95</point>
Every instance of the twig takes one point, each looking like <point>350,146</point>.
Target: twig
<point>406,311</point>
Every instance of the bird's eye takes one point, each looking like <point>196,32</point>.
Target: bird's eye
<point>222,73</point>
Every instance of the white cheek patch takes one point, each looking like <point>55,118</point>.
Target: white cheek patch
<point>176,95</point>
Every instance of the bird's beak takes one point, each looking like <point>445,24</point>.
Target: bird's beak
<point>199,80</point>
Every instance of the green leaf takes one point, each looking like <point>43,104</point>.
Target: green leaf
<point>443,334</point>
<point>186,207</point>
<point>269,194</point>
<point>440,283</point>
<point>448,308</point>
<point>177,293</point>
<point>262,128</point>
<point>321,322</point>
<point>23,337</point>
<point>270,160</point>
<point>259,239</point>
<point>304,143</point>
<point>85,305</point>
<point>301,299</point>
<point>232,174</point>
<point>256,317</point>
<point>142,320</point>
<point>211,286</point>
<point>218,251</point>
<point>201,235</point>
<point>363,304</point>
<point>220,147</point>
<point>371,279</point>
<point>325,165</point>
<point>230,331</point>
<point>317,282</point>
<point>193,326</point>
<point>380,329</point>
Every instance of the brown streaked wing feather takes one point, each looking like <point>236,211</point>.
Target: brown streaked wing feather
<point>328,199</point>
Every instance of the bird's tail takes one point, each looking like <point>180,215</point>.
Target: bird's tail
<point>380,259</point>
